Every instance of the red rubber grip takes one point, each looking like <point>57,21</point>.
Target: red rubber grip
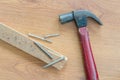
<point>89,62</point>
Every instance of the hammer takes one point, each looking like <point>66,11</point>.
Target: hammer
<point>80,18</point>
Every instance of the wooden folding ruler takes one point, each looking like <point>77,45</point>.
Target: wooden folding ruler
<point>27,45</point>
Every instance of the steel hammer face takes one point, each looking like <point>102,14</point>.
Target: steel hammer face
<point>79,16</point>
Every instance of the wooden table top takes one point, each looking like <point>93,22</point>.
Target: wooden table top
<point>41,17</point>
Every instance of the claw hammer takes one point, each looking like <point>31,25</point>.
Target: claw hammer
<point>80,18</point>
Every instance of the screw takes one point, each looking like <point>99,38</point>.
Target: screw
<point>43,49</point>
<point>54,62</point>
<point>42,38</point>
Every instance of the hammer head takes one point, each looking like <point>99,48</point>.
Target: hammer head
<point>80,17</point>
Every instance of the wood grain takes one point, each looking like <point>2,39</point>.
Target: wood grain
<point>41,17</point>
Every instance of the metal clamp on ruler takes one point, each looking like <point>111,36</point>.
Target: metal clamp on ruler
<point>32,47</point>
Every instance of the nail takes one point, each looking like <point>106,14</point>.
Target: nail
<point>43,49</point>
<point>51,35</point>
<point>42,38</point>
<point>54,62</point>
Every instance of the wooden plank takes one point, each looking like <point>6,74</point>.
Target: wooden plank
<point>41,17</point>
<point>27,45</point>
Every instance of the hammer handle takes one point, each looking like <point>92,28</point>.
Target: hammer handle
<point>89,62</point>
